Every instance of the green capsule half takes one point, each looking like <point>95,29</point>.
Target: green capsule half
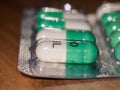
<point>117,51</point>
<point>112,26</point>
<point>108,17</point>
<point>114,38</point>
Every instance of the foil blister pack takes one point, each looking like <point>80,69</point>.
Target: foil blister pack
<point>72,57</point>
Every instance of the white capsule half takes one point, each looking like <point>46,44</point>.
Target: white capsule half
<point>74,15</point>
<point>51,52</point>
<point>76,24</point>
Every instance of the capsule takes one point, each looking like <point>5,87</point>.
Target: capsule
<point>58,13</point>
<point>117,51</point>
<point>66,34</point>
<point>68,24</point>
<point>67,52</point>
<point>111,26</point>
<point>107,8</point>
<point>114,38</point>
<point>108,17</point>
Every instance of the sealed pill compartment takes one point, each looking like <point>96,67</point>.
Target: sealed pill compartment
<point>62,52</point>
<point>63,57</point>
<point>58,53</point>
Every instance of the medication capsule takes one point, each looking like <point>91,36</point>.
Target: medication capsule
<point>68,24</point>
<point>114,38</point>
<point>66,34</point>
<point>117,51</point>
<point>67,52</point>
<point>111,26</point>
<point>58,13</point>
<point>107,8</point>
<point>108,17</point>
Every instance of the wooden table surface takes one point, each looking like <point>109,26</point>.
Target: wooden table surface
<point>12,79</point>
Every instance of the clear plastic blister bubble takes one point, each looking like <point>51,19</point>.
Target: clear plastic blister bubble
<point>60,58</point>
<point>108,15</point>
<point>67,43</point>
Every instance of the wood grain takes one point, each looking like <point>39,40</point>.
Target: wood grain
<point>12,79</point>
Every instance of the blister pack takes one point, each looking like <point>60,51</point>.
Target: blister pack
<point>68,44</point>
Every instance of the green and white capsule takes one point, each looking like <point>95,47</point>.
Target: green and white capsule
<point>61,24</point>
<point>67,51</point>
<point>117,51</point>
<point>107,8</point>
<point>66,34</point>
<point>58,13</point>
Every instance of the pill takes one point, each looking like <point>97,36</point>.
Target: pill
<point>114,38</point>
<point>58,13</point>
<point>68,24</point>
<point>117,51</point>
<point>67,51</point>
<point>110,17</point>
<point>107,8</point>
<point>66,34</point>
<point>112,26</point>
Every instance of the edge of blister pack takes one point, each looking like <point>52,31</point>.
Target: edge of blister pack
<point>25,41</point>
<point>33,67</point>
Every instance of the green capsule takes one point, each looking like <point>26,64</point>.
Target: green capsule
<point>111,26</point>
<point>117,51</point>
<point>49,12</point>
<point>114,38</point>
<point>110,17</point>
